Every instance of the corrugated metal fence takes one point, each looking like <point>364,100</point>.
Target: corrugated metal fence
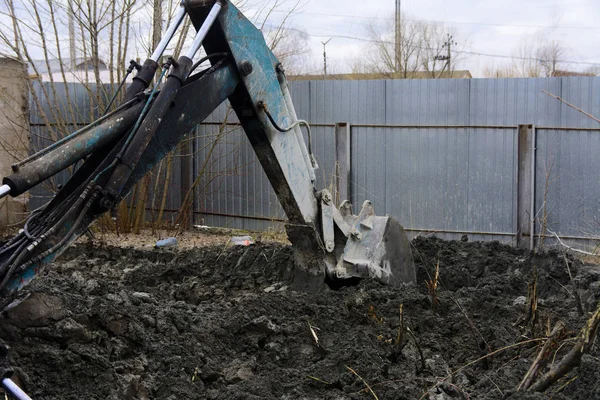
<point>439,155</point>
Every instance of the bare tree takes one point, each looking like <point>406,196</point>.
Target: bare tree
<point>551,55</point>
<point>422,45</point>
<point>537,55</point>
<point>107,34</point>
<point>290,46</point>
<point>381,56</point>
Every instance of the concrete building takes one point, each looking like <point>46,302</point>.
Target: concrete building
<point>14,132</point>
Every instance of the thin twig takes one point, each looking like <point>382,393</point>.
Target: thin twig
<point>363,381</point>
<point>572,106</point>
<point>572,359</point>
<point>314,378</point>
<point>587,253</point>
<point>543,356</point>
<point>560,389</point>
<point>575,291</point>
<point>493,353</point>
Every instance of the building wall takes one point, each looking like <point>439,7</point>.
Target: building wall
<point>14,132</point>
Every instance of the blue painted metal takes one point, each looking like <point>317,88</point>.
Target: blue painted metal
<point>217,86</point>
<point>280,156</point>
<point>49,163</point>
<point>186,113</point>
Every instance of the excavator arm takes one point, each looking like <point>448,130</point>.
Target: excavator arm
<point>121,147</point>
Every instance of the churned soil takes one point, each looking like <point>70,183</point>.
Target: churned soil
<point>109,322</point>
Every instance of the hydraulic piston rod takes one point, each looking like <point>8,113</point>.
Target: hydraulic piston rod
<point>164,42</point>
<point>15,391</point>
<point>4,191</point>
<point>203,31</point>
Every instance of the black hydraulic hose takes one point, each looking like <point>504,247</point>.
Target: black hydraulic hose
<point>142,80</point>
<point>11,241</point>
<point>132,65</point>
<point>148,128</point>
<point>36,232</point>
<point>289,128</point>
<point>138,122</point>
<point>20,254</point>
<point>203,74</point>
<point>57,246</point>
<point>208,57</point>
<point>26,226</point>
<point>12,246</point>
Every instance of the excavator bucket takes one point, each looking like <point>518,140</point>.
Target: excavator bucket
<point>377,248</point>
<point>382,252</point>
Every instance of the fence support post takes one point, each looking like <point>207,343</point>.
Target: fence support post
<point>526,186</point>
<point>342,161</point>
<point>186,151</point>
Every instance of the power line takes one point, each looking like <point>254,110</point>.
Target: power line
<point>448,22</point>
<point>467,52</point>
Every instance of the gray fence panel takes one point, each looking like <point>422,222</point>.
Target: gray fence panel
<point>324,152</point>
<point>567,182</point>
<point>455,179</point>
<point>56,109</point>
<point>233,190</point>
<point>437,179</point>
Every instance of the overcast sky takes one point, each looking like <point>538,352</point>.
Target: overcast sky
<point>483,26</point>
<point>491,27</point>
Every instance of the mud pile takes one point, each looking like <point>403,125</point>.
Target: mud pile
<point>210,323</point>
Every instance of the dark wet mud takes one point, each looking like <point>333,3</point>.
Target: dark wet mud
<point>115,323</point>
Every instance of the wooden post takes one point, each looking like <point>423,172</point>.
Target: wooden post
<point>186,152</point>
<point>526,186</point>
<point>343,161</point>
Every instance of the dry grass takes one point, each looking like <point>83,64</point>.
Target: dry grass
<point>186,240</point>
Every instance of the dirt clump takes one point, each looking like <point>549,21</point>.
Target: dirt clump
<point>217,323</point>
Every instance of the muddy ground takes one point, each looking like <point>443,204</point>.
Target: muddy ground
<point>215,323</point>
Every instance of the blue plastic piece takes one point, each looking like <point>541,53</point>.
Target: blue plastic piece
<point>168,242</point>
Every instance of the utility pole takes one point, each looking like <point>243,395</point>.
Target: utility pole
<point>325,58</point>
<point>448,57</point>
<point>449,43</point>
<point>398,40</point>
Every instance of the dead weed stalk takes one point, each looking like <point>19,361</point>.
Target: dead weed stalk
<point>531,317</point>
<point>584,342</point>
<point>493,353</point>
<point>549,348</point>
<point>432,285</point>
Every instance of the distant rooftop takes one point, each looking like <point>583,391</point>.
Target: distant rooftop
<point>558,73</point>
<point>462,74</point>
<point>80,64</point>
